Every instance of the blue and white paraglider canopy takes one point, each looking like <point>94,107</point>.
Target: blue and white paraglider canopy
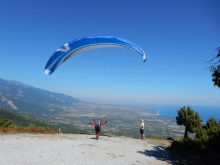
<point>87,43</point>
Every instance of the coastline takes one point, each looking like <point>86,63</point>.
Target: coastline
<point>205,112</point>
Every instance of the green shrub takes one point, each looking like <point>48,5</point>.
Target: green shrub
<point>5,123</point>
<point>206,139</point>
<point>186,145</point>
<point>7,126</point>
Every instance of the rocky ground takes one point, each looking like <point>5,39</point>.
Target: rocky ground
<point>76,149</point>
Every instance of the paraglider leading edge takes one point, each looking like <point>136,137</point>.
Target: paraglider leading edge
<point>87,43</point>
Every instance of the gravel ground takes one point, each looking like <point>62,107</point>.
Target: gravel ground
<point>64,149</point>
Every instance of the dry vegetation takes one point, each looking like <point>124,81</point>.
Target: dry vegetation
<point>30,129</point>
<point>27,130</point>
<point>159,141</point>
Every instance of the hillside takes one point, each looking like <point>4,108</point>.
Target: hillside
<point>18,119</point>
<point>17,96</point>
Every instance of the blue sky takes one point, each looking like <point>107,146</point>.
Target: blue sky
<point>177,37</point>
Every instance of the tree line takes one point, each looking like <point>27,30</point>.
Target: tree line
<point>206,135</point>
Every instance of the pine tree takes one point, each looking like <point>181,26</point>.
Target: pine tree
<point>215,68</point>
<point>213,128</point>
<point>190,119</point>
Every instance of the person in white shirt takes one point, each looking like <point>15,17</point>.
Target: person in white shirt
<point>141,124</point>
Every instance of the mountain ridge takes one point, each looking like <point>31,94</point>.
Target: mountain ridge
<point>18,96</point>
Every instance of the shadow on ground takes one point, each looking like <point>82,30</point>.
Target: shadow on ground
<point>163,153</point>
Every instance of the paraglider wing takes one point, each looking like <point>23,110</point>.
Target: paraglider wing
<point>87,43</point>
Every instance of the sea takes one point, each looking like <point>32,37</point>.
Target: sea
<point>205,112</point>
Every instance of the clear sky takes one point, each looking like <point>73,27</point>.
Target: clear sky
<point>176,35</point>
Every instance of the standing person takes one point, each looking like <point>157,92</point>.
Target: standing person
<point>97,125</point>
<point>141,124</point>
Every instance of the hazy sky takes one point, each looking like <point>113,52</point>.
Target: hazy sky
<point>176,35</point>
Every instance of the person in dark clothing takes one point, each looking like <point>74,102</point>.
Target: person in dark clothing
<point>97,125</point>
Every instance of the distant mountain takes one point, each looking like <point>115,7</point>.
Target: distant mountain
<point>20,97</point>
